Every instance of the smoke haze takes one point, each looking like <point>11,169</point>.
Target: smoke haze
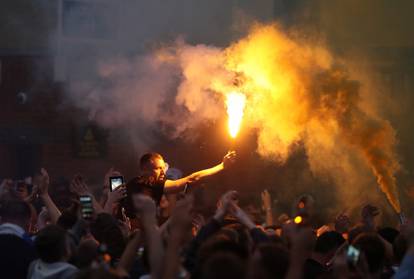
<point>302,91</point>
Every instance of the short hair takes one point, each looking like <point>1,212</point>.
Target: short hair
<point>328,242</point>
<point>147,158</point>
<point>274,260</point>
<point>373,248</point>
<point>51,244</point>
<point>223,265</point>
<point>15,209</point>
<point>105,229</point>
<point>86,253</point>
<point>69,217</point>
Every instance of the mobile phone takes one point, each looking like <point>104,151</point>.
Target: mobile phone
<point>86,206</point>
<point>115,182</point>
<point>352,255</point>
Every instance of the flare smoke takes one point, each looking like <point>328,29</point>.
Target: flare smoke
<point>295,92</point>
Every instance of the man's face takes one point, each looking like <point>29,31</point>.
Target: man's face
<point>156,169</point>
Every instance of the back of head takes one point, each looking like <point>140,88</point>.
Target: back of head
<point>147,158</point>
<point>270,261</point>
<point>213,246</point>
<point>373,249</point>
<point>87,252</point>
<point>105,229</point>
<point>15,211</point>
<point>51,244</point>
<point>223,265</point>
<point>69,217</point>
<point>241,233</point>
<point>328,242</point>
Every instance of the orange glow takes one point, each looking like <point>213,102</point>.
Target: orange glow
<point>292,92</point>
<point>107,258</point>
<point>298,220</point>
<point>235,107</point>
<point>301,205</point>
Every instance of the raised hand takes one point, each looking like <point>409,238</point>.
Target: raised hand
<point>33,195</point>
<point>42,218</point>
<point>108,174</point>
<point>229,159</point>
<point>78,186</point>
<point>42,182</point>
<point>181,219</point>
<point>117,195</point>
<point>266,200</point>
<point>114,198</point>
<point>241,215</point>
<point>6,186</point>
<point>224,204</point>
<point>145,208</point>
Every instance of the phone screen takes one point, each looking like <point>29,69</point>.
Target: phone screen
<point>86,206</point>
<point>352,255</point>
<point>115,182</point>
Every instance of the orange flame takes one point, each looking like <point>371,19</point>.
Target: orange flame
<point>235,107</point>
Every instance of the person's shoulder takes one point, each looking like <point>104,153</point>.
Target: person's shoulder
<point>11,240</point>
<point>133,183</point>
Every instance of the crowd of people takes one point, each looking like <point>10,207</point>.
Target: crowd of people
<point>133,231</point>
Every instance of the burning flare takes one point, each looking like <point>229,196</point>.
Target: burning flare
<point>235,107</point>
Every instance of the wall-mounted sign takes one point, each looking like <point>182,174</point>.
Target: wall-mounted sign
<point>91,142</point>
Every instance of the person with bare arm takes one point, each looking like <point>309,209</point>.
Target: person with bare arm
<point>153,171</point>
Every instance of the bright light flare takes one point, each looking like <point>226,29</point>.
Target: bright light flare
<point>235,102</point>
<point>298,220</point>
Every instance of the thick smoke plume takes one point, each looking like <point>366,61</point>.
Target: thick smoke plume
<point>296,91</point>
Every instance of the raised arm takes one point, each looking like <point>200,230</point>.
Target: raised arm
<point>267,207</point>
<point>173,186</point>
<point>114,198</point>
<point>180,228</point>
<point>146,212</point>
<point>42,182</point>
<point>79,187</point>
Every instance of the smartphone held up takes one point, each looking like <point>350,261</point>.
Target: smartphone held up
<point>352,255</point>
<point>86,206</point>
<point>115,182</point>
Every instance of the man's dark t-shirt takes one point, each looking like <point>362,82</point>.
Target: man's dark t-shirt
<point>140,185</point>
